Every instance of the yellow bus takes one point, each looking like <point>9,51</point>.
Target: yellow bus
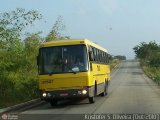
<point>72,69</point>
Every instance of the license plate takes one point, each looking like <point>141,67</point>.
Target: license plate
<point>64,94</point>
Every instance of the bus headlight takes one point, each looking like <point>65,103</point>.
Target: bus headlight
<point>44,94</point>
<point>84,92</point>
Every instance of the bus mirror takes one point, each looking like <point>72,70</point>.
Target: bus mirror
<point>38,60</point>
<point>91,58</point>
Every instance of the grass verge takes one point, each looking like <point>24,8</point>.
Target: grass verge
<point>152,72</point>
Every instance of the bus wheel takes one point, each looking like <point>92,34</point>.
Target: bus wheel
<point>107,85</point>
<point>53,102</point>
<point>104,93</point>
<point>92,99</point>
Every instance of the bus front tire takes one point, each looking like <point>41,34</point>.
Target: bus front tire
<point>91,99</point>
<point>53,102</point>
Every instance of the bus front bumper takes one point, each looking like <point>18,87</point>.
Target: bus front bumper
<point>62,94</point>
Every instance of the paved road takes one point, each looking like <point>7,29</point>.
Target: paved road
<point>130,92</point>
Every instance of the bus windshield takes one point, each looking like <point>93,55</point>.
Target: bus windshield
<point>63,59</point>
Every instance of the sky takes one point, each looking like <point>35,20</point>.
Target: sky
<point>117,25</point>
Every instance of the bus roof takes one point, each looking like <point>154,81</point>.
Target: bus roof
<point>71,42</point>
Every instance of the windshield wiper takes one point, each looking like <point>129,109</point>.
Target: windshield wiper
<point>74,72</point>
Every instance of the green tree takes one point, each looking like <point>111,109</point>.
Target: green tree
<point>12,49</point>
<point>148,52</point>
<point>55,33</point>
<point>28,77</point>
<point>12,23</point>
<point>11,26</point>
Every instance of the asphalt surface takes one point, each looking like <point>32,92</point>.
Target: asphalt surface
<point>130,92</point>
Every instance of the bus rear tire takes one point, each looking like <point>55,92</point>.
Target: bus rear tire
<point>105,92</point>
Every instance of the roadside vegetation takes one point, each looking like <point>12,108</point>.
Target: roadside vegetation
<point>149,56</point>
<point>18,51</point>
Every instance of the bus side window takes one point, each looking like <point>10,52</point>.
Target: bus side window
<point>107,58</point>
<point>95,54</point>
<point>103,57</point>
<point>91,56</point>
